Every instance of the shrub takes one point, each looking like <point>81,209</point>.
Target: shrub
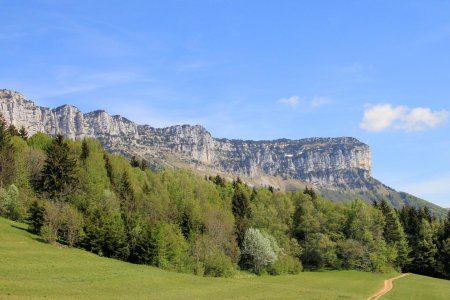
<point>48,234</point>
<point>9,206</point>
<point>259,248</point>
<point>286,264</point>
<point>218,265</point>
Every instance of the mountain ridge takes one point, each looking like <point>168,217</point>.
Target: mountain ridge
<point>332,165</point>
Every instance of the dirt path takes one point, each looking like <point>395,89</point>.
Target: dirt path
<point>388,285</point>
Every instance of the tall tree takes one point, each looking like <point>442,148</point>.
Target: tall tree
<point>23,133</point>
<point>59,173</point>
<point>241,211</point>
<point>134,162</point>
<point>424,253</point>
<point>35,217</point>
<point>7,161</point>
<point>13,130</point>
<point>84,150</point>
<point>394,234</point>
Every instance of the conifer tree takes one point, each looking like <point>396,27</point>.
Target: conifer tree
<point>35,217</point>
<point>23,133</point>
<point>134,162</point>
<point>84,150</point>
<point>394,234</point>
<point>143,164</point>
<point>108,166</point>
<point>424,254</point>
<point>59,177</point>
<point>13,130</point>
<point>241,211</point>
<point>7,162</point>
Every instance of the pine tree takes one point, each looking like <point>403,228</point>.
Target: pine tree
<point>444,248</point>
<point>23,133</point>
<point>424,254</point>
<point>241,211</point>
<point>394,234</point>
<point>59,174</point>
<point>143,164</point>
<point>311,192</point>
<point>108,167</point>
<point>134,162</point>
<point>35,217</point>
<point>13,130</point>
<point>84,150</point>
<point>7,161</point>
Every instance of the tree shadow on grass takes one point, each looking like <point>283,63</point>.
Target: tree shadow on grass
<point>32,235</point>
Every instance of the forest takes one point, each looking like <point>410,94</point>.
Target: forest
<point>76,194</point>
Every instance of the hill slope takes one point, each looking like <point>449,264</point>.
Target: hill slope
<point>30,268</point>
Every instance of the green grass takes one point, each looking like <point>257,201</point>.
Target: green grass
<point>419,287</point>
<point>32,269</point>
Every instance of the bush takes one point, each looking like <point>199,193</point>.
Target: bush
<point>261,249</point>
<point>9,206</point>
<point>48,234</point>
<point>285,265</point>
<point>218,265</point>
<point>72,225</point>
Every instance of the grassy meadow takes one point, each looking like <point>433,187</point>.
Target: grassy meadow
<point>30,268</point>
<point>414,287</point>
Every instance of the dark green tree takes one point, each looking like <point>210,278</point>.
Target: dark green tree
<point>394,234</point>
<point>59,173</point>
<point>311,192</point>
<point>444,248</point>
<point>218,180</point>
<point>7,158</point>
<point>23,133</point>
<point>241,210</point>
<point>108,166</point>
<point>13,130</point>
<point>134,162</point>
<point>35,217</point>
<point>425,251</point>
<point>143,164</point>
<point>84,150</point>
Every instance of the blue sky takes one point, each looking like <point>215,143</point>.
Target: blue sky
<point>375,70</point>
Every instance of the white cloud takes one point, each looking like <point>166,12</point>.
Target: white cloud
<point>319,101</point>
<point>385,116</point>
<point>423,118</point>
<point>292,101</point>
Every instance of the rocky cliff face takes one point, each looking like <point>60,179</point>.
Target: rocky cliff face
<point>332,163</point>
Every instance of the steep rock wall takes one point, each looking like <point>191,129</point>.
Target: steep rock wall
<point>334,163</point>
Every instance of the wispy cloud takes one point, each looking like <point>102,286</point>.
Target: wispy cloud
<point>70,80</point>
<point>295,101</point>
<point>383,117</point>
<point>319,101</point>
<point>292,101</point>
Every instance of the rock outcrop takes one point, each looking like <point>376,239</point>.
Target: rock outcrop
<point>333,163</point>
<point>339,168</point>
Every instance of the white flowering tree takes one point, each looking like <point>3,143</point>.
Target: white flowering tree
<point>261,249</point>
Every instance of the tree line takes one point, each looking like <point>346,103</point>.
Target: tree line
<point>77,194</point>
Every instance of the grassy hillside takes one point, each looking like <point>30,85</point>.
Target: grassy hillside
<point>30,268</point>
<point>416,287</point>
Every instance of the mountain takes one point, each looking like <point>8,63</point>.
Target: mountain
<point>340,168</point>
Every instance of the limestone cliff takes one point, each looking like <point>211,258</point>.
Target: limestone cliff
<point>333,163</point>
